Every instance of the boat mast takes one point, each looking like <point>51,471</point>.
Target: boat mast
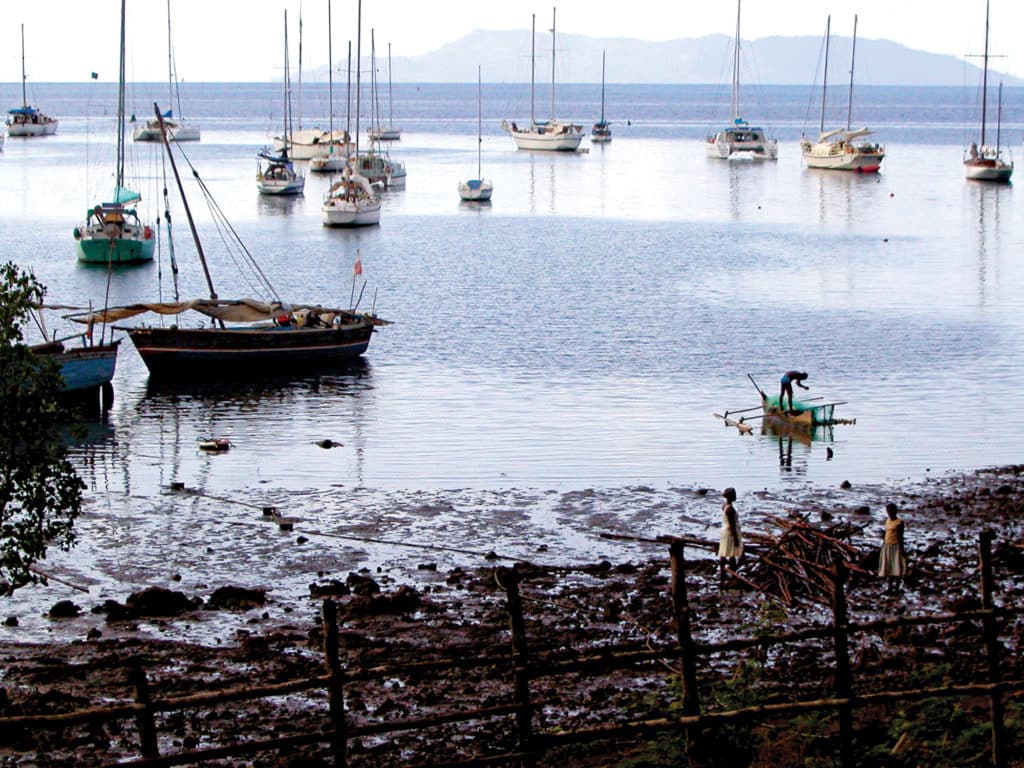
<point>170,65</point>
<point>391,116</point>
<point>736,69</point>
<point>479,121</point>
<point>984,80</point>
<point>602,87</point>
<point>24,98</point>
<point>348,99</point>
<point>359,62</point>
<point>853,57</point>
<point>533,64</point>
<point>553,64</point>
<point>999,117</point>
<point>120,114</point>
<point>824,79</point>
<point>300,66</point>
<point>374,102</point>
<point>330,85</point>
<point>184,202</point>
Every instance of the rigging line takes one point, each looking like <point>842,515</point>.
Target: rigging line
<point>219,216</point>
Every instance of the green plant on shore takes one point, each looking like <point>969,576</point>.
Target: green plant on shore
<point>40,493</point>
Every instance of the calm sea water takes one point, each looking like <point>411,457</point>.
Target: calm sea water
<point>577,333</point>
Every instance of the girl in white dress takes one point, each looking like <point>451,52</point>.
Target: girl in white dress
<point>730,543</point>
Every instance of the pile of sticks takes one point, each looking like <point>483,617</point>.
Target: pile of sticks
<point>798,564</point>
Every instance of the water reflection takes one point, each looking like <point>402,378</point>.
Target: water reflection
<point>474,205</point>
<point>273,423</point>
<point>279,205</point>
<point>842,195</point>
<point>800,440</point>
<point>985,200</point>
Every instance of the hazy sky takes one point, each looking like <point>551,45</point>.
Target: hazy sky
<point>225,40</point>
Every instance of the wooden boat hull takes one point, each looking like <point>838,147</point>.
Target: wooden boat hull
<point>82,368</point>
<point>988,170</point>
<point>552,136</point>
<point>178,352</point>
<point>836,157</point>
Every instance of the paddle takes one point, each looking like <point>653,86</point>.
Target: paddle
<point>759,390</point>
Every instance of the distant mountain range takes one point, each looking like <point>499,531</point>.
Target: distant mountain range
<point>505,57</point>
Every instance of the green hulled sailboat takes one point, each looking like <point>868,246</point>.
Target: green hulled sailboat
<point>112,232</point>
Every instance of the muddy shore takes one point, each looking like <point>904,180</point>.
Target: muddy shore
<point>617,601</point>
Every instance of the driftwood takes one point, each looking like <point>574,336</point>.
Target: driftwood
<point>797,564</point>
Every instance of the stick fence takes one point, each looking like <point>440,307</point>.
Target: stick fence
<point>523,666</point>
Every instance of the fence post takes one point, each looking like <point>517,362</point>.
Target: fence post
<point>841,637</point>
<point>990,629</point>
<point>144,720</point>
<point>335,689</point>
<point>509,578</point>
<point>681,610</point>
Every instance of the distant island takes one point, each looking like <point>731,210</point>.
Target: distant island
<point>698,60</point>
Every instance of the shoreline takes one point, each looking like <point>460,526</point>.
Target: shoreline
<point>604,603</point>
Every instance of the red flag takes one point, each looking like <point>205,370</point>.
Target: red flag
<point>358,268</point>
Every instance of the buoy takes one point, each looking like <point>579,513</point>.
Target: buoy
<point>213,444</point>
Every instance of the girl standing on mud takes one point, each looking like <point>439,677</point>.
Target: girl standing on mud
<point>730,543</point>
<point>892,561</point>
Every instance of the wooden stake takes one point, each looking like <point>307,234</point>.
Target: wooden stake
<point>509,578</point>
<point>335,690</point>
<point>144,719</point>
<point>999,745</point>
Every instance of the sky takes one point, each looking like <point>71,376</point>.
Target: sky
<point>236,40</point>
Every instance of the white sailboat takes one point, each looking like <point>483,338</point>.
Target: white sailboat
<point>838,150</point>
<point>26,120</point>
<point>389,132</point>
<point>176,127</point>
<point>278,176</point>
<point>352,202</point>
<point>602,130</point>
<point>552,135</point>
<point>378,167</point>
<point>981,161</point>
<point>332,157</point>
<point>740,138</point>
<point>479,189</point>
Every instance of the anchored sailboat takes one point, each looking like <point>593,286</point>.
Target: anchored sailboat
<point>983,162</point>
<point>112,232</point>
<point>26,120</point>
<point>389,132</point>
<point>178,128</point>
<point>740,139</point>
<point>278,176</point>
<point>552,134</point>
<point>332,157</point>
<point>602,130</point>
<point>249,335</point>
<point>352,202</point>
<point>479,188</point>
<point>838,150</point>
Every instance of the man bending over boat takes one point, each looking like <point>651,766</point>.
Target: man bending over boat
<point>788,379</point>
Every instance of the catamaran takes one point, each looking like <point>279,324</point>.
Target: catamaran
<point>740,138</point>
